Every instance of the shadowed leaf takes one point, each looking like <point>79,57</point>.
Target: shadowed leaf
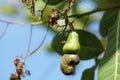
<point>88,74</point>
<point>107,21</point>
<point>53,2</point>
<point>90,45</point>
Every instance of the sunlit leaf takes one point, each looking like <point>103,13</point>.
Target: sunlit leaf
<point>90,45</point>
<point>110,64</point>
<point>32,18</point>
<point>46,13</point>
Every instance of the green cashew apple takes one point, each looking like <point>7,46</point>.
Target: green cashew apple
<point>72,44</point>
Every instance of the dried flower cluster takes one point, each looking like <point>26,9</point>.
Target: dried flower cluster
<point>19,70</point>
<point>56,19</point>
<point>53,17</point>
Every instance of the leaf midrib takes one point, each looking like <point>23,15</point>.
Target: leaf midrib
<point>92,48</point>
<point>117,47</point>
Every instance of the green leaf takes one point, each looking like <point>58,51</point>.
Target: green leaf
<point>110,64</point>
<point>90,45</point>
<point>107,21</point>
<point>32,18</point>
<point>107,3</point>
<point>53,2</point>
<point>88,74</point>
<point>46,13</point>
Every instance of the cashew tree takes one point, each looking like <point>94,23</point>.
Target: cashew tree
<point>74,40</point>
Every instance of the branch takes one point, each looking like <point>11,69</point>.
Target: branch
<point>94,11</point>
<point>1,36</point>
<point>71,3</point>
<point>43,40</point>
<point>21,23</point>
<point>29,43</point>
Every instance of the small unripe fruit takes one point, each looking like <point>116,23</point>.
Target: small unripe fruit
<point>72,44</point>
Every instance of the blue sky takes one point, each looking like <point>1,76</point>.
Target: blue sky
<point>43,64</point>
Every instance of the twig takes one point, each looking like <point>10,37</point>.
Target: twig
<point>1,36</point>
<point>71,3</point>
<point>94,11</point>
<point>21,23</point>
<point>29,43</point>
<point>40,43</point>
